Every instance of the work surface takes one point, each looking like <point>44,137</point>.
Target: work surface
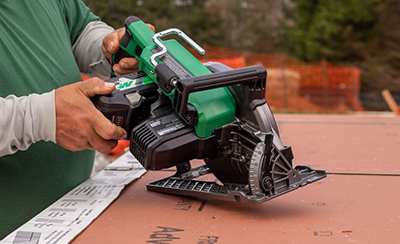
<point>358,202</point>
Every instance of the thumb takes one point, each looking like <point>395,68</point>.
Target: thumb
<point>96,86</point>
<point>111,42</point>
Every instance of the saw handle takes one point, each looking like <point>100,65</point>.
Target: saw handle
<point>253,78</point>
<point>122,53</point>
<point>127,45</point>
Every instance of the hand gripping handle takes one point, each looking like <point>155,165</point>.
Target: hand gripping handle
<point>123,50</point>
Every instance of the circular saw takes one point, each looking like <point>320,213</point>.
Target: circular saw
<point>177,109</point>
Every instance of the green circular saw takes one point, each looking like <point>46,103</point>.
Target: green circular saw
<point>177,109</point>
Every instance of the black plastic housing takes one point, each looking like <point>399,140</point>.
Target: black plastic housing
<point>164,76</point>
<point>252,81</point>
<point>117,107</point>
<point>166,140</point>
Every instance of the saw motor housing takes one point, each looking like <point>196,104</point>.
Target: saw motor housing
<point>177,109</point>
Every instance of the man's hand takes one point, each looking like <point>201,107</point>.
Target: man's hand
<point>111,46</point>
<point>79,125</point>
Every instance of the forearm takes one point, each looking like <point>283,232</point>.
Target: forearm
<point>26,120</point>
<point>88,53</point>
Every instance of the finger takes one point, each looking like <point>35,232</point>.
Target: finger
<point>106,129</point>
<point>128,63</point>
<point>118,71</point>
<point>100,144</point>
<point>96,86</point>
<point>120,32</point>
<point>151,27</point>
<point>111,43</point>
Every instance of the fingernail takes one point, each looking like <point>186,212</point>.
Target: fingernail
<point>109,84</point>
<point>124,65</point>
<point>123,137</point>
<point>117,70</point>
<point>111,46</point>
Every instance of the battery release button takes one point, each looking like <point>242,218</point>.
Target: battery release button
<point>133,98</point>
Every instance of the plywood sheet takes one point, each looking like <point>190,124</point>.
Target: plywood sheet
<point>338,209</point>
<point>344,143</point>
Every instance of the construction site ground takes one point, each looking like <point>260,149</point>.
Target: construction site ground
<point>358,202</point>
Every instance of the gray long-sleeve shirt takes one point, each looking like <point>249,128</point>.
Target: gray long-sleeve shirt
<point>29,119</point>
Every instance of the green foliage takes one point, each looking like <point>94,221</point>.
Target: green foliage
<point>252,25</point>
<point>336,30</point>
<point>248,25</point>
<point>353,32</point>
<point>191,16</point>
<point>381,67</point>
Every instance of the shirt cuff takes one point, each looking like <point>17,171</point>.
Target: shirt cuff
<point>44,117</point>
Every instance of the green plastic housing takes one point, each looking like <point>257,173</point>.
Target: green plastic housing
<point>215,107</point>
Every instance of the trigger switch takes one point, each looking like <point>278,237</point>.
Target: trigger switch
<point>134,98</point>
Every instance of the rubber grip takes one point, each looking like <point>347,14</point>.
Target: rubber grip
<point>124,42</point>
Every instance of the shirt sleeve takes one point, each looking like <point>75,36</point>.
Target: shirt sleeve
<point>26,120</point>
<point>87,50</point>
<point>77,16</point>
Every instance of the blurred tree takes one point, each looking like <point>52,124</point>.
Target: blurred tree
<point>253,25</point>
<point>337,30</point>
<point>382,66</point>
<point>249,25</point>
<point>353,32</point>
<point>191,16</point>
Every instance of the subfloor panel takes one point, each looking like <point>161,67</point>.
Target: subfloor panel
<point>360,204</point>
<point>337,209</point>
<point>344,144</point>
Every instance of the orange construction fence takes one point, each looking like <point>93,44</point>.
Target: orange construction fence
<point>296,85</point>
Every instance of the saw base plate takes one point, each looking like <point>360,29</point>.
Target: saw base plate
<point>186,185</point>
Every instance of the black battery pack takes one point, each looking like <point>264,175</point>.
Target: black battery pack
<point>130,102</point>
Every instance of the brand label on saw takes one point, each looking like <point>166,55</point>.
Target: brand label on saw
<point>125,83</point>
<point>167,124</point>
